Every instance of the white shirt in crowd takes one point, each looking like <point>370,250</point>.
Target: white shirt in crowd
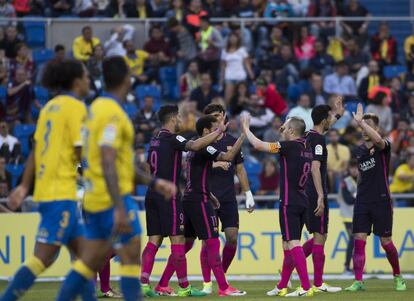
<point>304,113</point>
<point>114,46</point>
<point>345,85</point>
<point>260,120</point>
<point>10,140</point>
<point>235,64</point>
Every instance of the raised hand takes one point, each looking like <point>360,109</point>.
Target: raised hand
<point>166,188</point>
<point>339,106</point>
<point>16,197</point>
<point>223,125</point>
<point>245,122</point>
<point>359,113</point>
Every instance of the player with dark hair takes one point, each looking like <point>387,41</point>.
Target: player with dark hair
<point>200,215</point>
<point>110,213</point>
<point>52,163</point>
<point>295,165</point>
<point>166,218</point>
<point>222,186</point>
<point>373,210</point>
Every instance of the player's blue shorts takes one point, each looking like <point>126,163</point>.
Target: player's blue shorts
<point>60,222</point>
<point>99,224</point>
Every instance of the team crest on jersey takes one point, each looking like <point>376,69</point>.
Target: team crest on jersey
<point>180,138</point>
<point>211,150</point>
<point>318,150</point>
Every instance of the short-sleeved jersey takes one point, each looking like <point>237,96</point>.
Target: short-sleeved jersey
<point>295,165</point>
<point>164,158</point>
<point>199,168</point>
<point>317,144</point>
<point>57,135</point>
<point>373,165</point>
<point>222,181</point>
<point>107,125</point>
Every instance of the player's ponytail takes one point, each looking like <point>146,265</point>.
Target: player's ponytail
<point>59,76</point>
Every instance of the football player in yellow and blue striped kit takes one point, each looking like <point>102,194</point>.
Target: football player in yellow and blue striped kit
<point>111,218</point>
<point>52,163</point>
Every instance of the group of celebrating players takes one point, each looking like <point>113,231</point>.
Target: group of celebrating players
<point>102,138</point>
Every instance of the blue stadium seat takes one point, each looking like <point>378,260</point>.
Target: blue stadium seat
<point>3,94</point>
<point>23,133</point>
<point>392,71</point>
<point>253,169</point>
<point>41,56</point>
<point>168,78</point>
<point>16,170</point>
<point>41,94</point>
<point>130,108</point>
<point>294,92</point>
<point>35,33</point>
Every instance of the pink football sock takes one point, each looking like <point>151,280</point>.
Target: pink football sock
<point>148,258</point>
<point>359,258</point>
<point>214,261</point>
<point>180,264</point>
<point>205,267</point>
<point>229,251</point>
<point>318,256</point>
<point>307,247</point>
<point>300,263</point>
<point>287,269</point>
<point>392,256</point>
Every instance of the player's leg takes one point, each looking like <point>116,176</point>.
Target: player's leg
<point>287,269</point>
<point>43,257</point>
<point>318,257</point>
<point>205,269</point>
<point>104,279</point>
<point>148,257</point>
<point>350,247</point>
<point>230,222</point>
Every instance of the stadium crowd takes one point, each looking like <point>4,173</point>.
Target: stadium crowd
<point>270,69</point>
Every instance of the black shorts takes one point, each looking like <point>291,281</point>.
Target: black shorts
<point>200,220</point>
<point>317,224</point>
<point>291,220</point>
<point>165,218</point>
<point>228,214</point>
<point>373,217</point>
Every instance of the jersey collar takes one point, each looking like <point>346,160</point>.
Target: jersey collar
<point>70,94</point>
<point>110,96</point>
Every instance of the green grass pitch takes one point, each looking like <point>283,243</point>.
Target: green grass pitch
<point>256,291</point>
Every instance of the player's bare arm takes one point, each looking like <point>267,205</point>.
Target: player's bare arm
<point>338,110</point>
<point>374,136</point>
<point>258,144</point>
<point>229,155</point>
<point>108,155</point>
<point>317,181</point>
<point>222,164</point>
<point>17,196</point>
<point>198,144</point>
<point>245,186</point>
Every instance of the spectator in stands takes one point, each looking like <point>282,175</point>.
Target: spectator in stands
<point>20,97</point>
<point>373,79</point>
<point>102,7</point>
<point>339,82</point>
<point>159,8</point>
<point>114,46</point>
<point>269,180</point>
<point>11,40</point>
<point>136,59</point>
<point>356,58</point>
<point>299,7</point>
<point>317,95</point>
<point>7,10</point>
<point>94,66</point>
<point>398,97</point>
<point>204,94</point>
<point>23,60</point>
<point>261,117</point>
<point>278,8</point>
<point>304,47</point>
<point>303,110</point>
<point>338,159</point>
<point>183,43</point>
<point>60,53</point>
<point>384,46</point>
<point>285,67</point>
<point>22,7</point>
<point>400,139</point>
<point>322,8</point>
<point>146,120</point>
<point>380,107</point>
<point>4,75</point>
<point>235,66</point>
<point>158,50</point>
<point>83,45</point>
<point>61,7</point>
<point>140,9</point>
<point>5,179</point>
<point>272,98</point>
<point>189,113</point>
<point>409,50</point>
<point>192,17</point>
<point>403,181</point>
<point>9,145</point>
<point>357,29</point>
<point>273,133</point>
<point>240,99</point>
<point>211,43</point>
<point>245,10</point>
<point>85,8</point>
<point>408,113</point>
<point>176,11</point>
<point>190,80</point>
<point>346,201</point>
<point>259,7</point>
<point>321,62</point>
